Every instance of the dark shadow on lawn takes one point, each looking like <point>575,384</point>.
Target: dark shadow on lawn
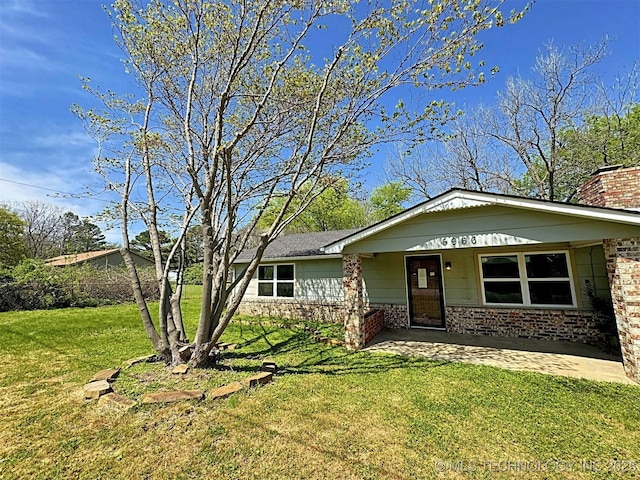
<point>325,359</point>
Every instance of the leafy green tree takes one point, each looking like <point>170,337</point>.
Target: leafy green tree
<point>87,237</point>
<point>12,246</point>
<point>69,223</point>
<point>242,102</point>
<point>388,200</point>
<point>141,243</point>
<point>602,140</point>
<point>80,235</point>
<point>332,209</point>
<point>194,250</point>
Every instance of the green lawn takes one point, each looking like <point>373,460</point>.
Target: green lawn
<point>329,413</point>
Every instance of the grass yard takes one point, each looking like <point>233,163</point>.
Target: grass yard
<point>329,413</point>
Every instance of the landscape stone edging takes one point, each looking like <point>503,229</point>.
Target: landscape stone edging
<point>100,387</point>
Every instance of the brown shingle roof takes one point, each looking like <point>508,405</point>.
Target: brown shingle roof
<point>75,258</point>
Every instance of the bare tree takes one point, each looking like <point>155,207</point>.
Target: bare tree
<point>43,229</point>
<point>235,108</point>
<point>534,111</point>
<point>547,134</point>
<point>610,132</point>
<point>463,158</point>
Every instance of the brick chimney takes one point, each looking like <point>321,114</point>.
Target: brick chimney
<point>612,186</point>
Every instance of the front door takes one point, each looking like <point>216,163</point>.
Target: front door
<point>424,284</point>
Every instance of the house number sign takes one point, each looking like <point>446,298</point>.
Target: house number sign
<point>462,241</point>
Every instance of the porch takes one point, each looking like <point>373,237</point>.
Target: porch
<point>543,356</point>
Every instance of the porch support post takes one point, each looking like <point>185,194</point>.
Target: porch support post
<point>623,268</point>
<point>353,302</point>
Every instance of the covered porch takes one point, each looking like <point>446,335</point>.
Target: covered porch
<point>542,356</point>
<point>491,265</point>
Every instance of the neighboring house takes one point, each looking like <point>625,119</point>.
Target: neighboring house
<point>99,259</point>
<point>471,262</point>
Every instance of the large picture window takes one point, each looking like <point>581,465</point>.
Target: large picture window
<point>276,280</point>
<point>528,278</point>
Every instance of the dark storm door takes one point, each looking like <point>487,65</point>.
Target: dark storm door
<point>424,287</point>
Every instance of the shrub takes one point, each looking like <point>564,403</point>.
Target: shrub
<point>112,285</point>
<point>34,285</point>
<point>193,274</point>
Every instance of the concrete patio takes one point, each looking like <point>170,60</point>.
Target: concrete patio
<point>543,356</point>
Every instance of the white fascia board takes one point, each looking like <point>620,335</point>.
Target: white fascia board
<point>291,259</point>
<point>456,200</point>
<point>584,211</point>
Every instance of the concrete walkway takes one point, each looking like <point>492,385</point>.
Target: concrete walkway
<point>555,358</point>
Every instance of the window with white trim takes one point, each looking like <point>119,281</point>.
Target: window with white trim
<point>276,280</point>
<point>527,278</point>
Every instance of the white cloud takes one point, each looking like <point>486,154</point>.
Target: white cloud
<point>74,139</point>
<point>25,58</point>
<point>18,184</point>
<point>25,7</point>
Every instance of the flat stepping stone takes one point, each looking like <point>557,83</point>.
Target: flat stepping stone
<point>170,397</point>
<point>117,400</point>
<point>182,368</point>
<point>94,390</point>
<point>226,390</point>
<point>258,379</point>
<point>110,374</point>
<point>269,366</point>
<point>131,362</point>
<point>226,346</point>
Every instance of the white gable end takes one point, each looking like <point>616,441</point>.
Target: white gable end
<point>457,203</point>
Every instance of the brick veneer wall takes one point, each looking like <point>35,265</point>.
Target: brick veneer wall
<point>616,188</point>
<point>620,188</point>
<point>623,268</point>
<point>582,326</point>
<point>373,323</point>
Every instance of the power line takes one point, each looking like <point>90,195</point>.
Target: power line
<point>51,190</point>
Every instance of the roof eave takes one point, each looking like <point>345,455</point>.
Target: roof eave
<point>290,259</point>
<point>477,199</point>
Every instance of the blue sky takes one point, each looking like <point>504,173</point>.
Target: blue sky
<point>46,44</point>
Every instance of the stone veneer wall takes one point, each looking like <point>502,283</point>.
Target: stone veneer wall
<point>569,325</point>
<point>353,301</point>
<point>551,324</point>
<point>395,316</point>
<point>294,309</point>
<point>623,268</point>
